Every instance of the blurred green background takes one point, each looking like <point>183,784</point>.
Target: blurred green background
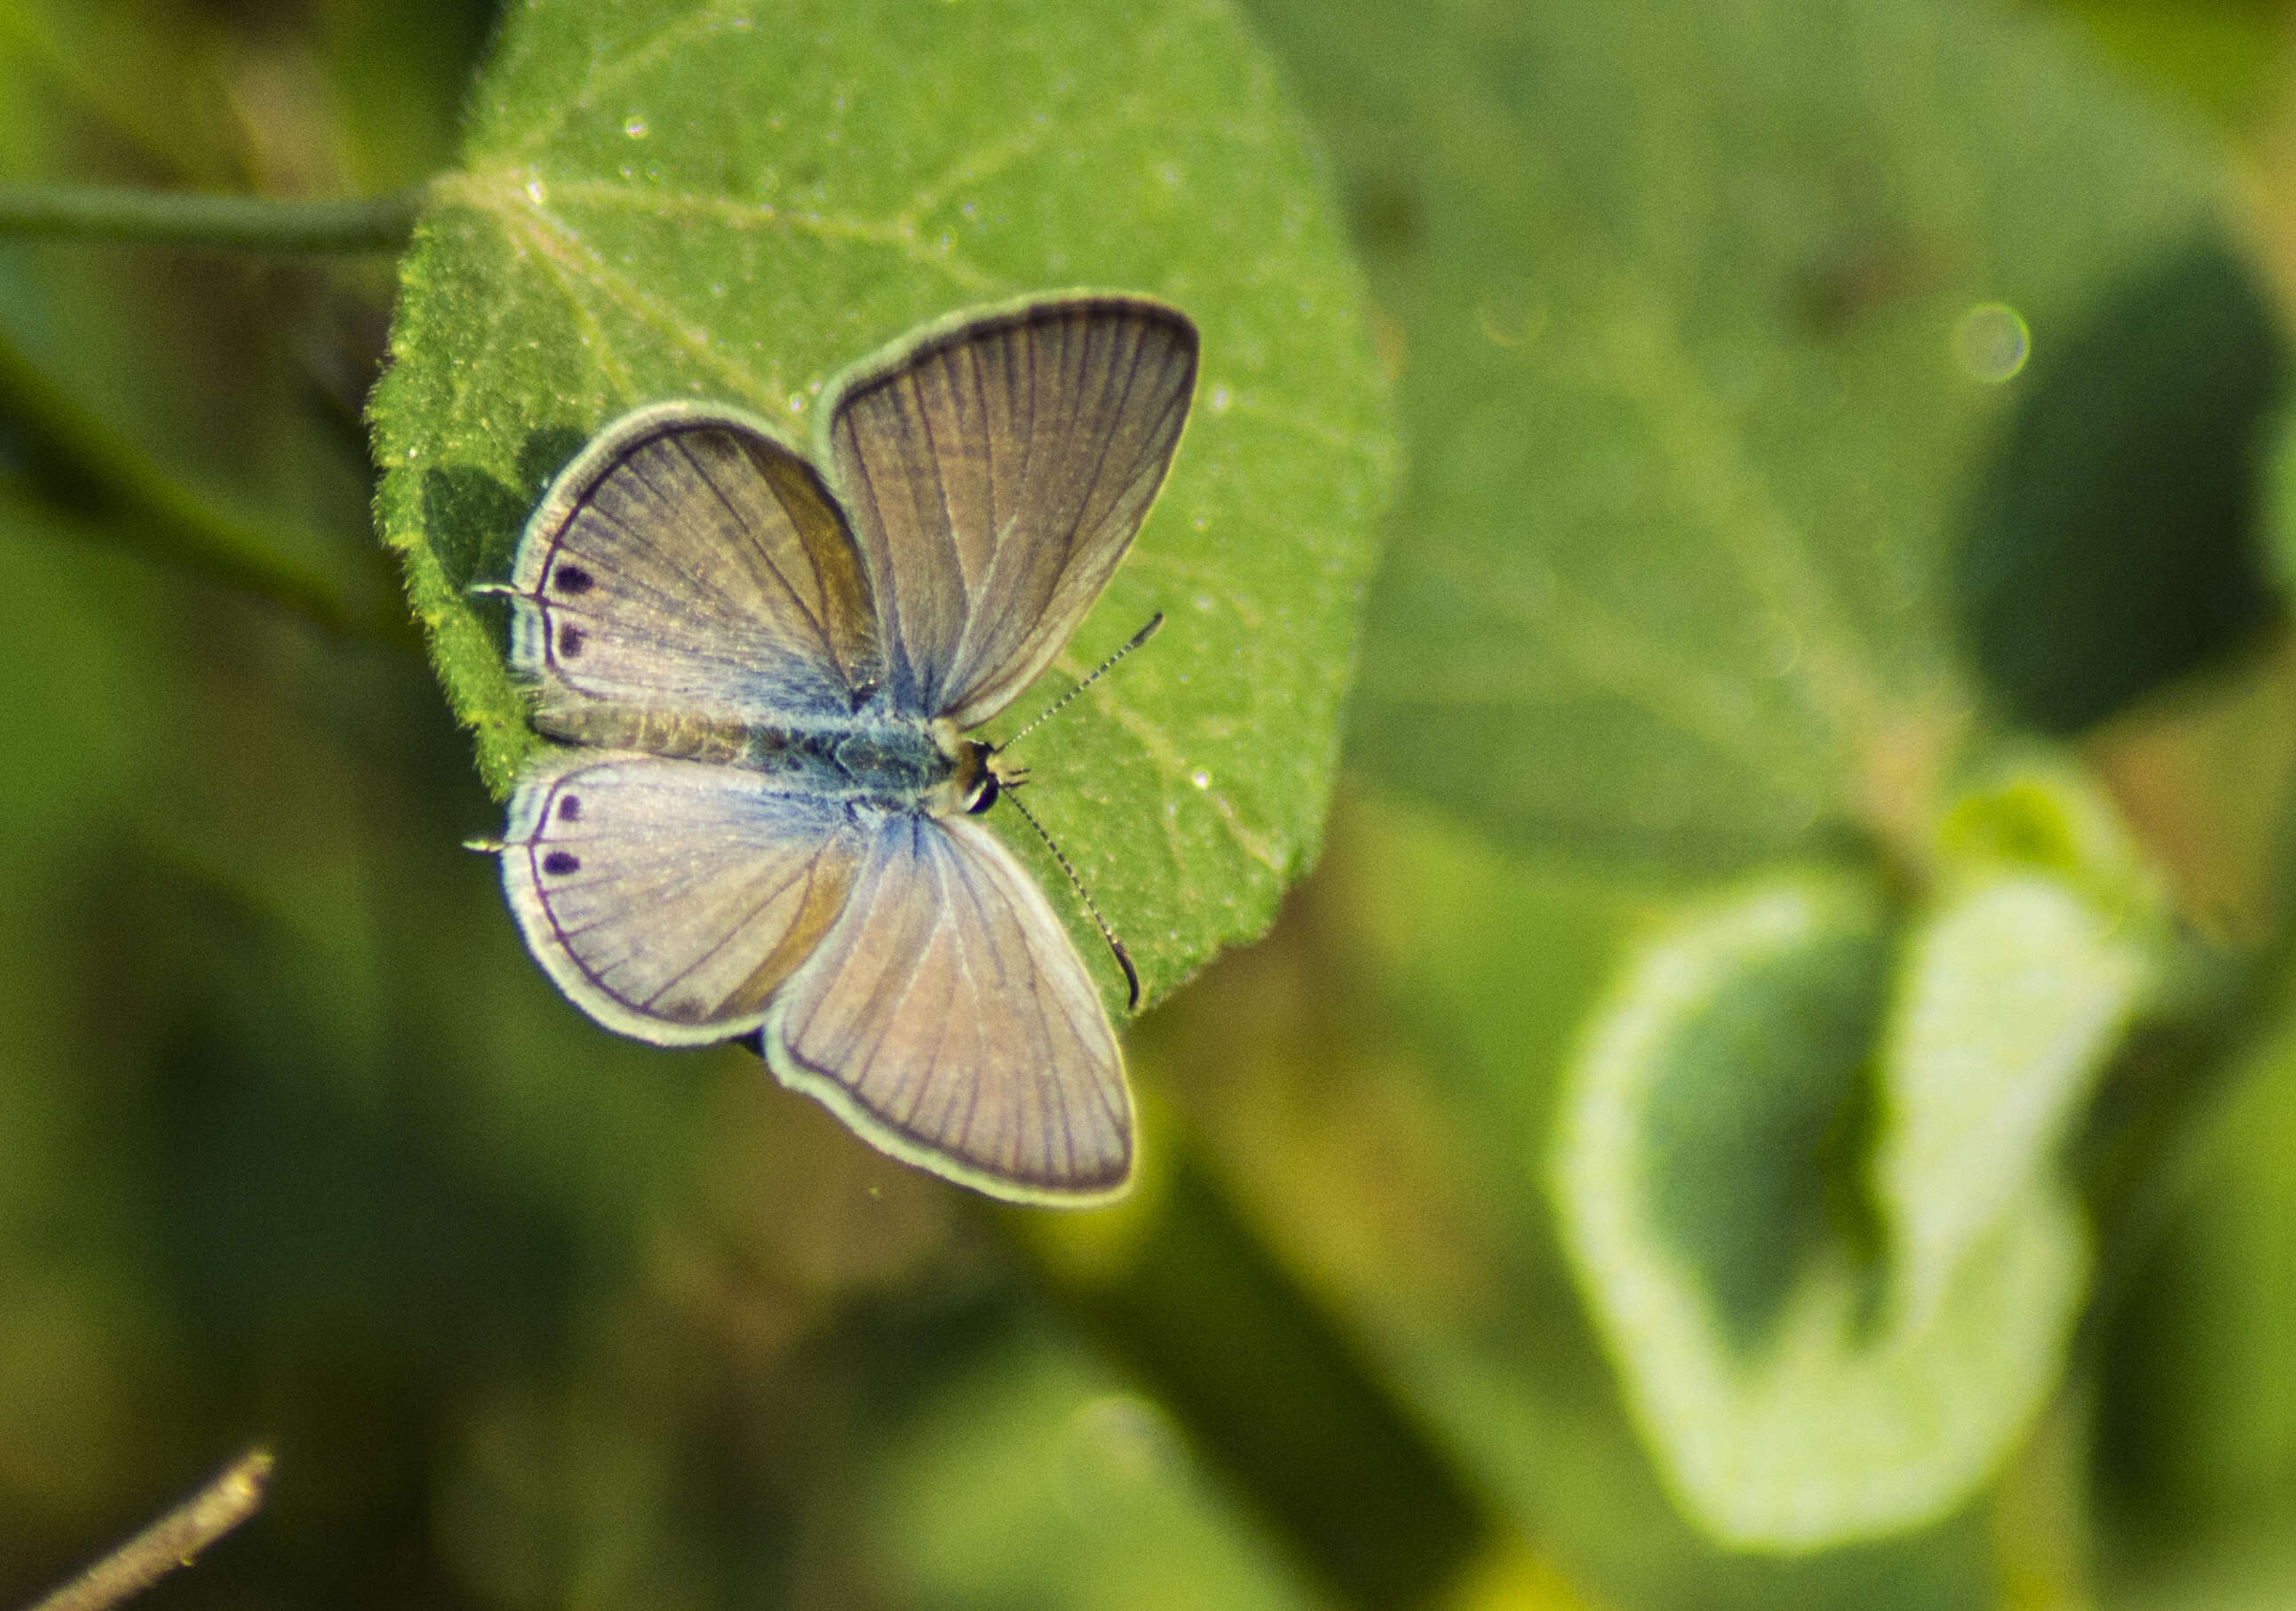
<point>1842,450</point>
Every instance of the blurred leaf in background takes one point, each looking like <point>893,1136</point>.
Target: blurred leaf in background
<point>1709,321</point>
<point>2116,540</point>
<point>1675,292</point>
<point>179,887</point>
<point>1041,1480</point>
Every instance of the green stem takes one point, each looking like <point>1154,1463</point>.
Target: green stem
<point>155,217</point>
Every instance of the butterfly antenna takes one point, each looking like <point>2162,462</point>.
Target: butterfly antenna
<point>1053,709</point>
<point>1123,957</point>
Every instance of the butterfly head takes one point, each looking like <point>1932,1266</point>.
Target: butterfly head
<point>978,774</point>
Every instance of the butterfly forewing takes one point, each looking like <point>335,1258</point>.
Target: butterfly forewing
<point>948,1016</point>
<point>994,476</point>
<point>670,898</point>
<point>688,563</point>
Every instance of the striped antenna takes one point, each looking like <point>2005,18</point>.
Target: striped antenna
<point>1123,957</point>
<point>1053,709</point>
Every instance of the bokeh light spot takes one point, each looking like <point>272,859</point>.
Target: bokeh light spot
<point>1991,342</point>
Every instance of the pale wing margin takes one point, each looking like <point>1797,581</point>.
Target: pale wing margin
<point>689,561</point>
<point>995,478</point>
<point>669,898</point>
<point>948,1019</point>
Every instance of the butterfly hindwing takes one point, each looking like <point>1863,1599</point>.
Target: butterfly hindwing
<point>996,474</point>
<point>947,1017</point>
<point>669,898</point>
<point>688,561</point>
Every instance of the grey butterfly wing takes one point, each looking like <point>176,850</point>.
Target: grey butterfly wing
<point>688,561</point>
<point>995,475</point>
<point>947,1018</point>
<point>669,898</point>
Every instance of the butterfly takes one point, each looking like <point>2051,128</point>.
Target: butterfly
<point>762,821</point>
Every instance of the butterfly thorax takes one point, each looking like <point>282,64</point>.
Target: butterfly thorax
<point>873,757</point>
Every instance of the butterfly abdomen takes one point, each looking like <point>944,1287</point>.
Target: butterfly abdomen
<point>681,735</point>
<point>891,762</point>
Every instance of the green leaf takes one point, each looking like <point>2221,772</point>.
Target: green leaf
<point>1737,1187</point>
<point>2015,995</point>
<point>2118,537</point>
<point>2014,990</point>
<point>1675,290</point>
<point>2225,60</point>
<point>1848,1413</point>
<point>1035,1481</point>
<point>665,200</point>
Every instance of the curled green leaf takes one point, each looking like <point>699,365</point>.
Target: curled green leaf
<point>1835,1415</point>
<point>2017,983</point>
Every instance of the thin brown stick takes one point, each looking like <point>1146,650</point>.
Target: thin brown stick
<point>233,1495</point>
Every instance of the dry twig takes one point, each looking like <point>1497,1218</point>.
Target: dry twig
<point>233,1495</point>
